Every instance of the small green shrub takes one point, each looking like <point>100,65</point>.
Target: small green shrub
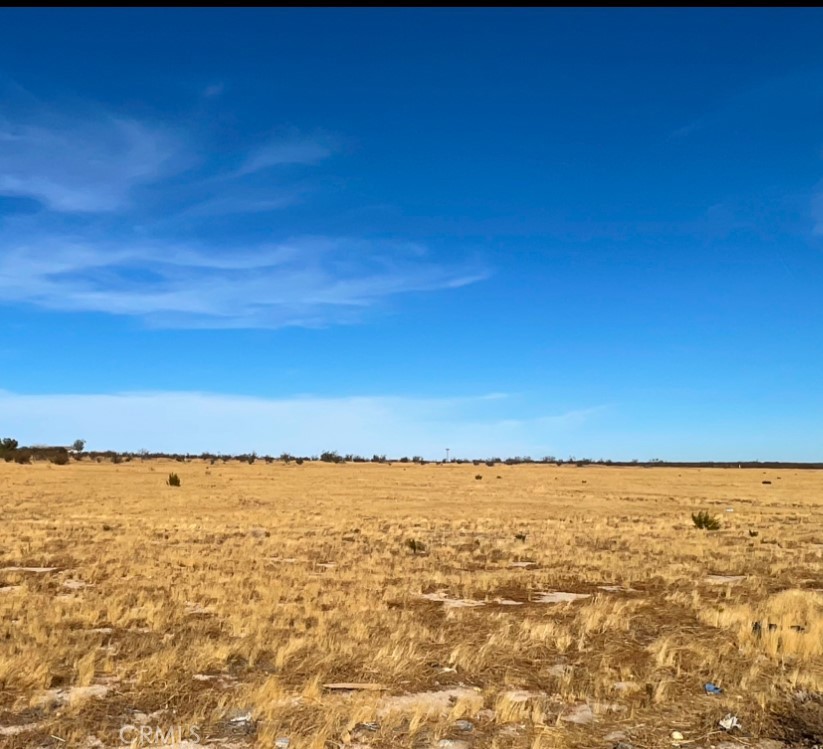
<point>60,459</point>
<point>704,521</point>
<point>173,480</point>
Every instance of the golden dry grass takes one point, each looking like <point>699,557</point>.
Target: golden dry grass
<point>250,587</point>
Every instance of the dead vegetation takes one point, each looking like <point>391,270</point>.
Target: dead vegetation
<point>378,605</point>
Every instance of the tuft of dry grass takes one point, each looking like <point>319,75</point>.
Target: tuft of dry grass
<point>239,603</point>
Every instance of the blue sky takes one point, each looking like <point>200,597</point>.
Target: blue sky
<point>545,232</point>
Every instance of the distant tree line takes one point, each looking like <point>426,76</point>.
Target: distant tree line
<point>10,451</point>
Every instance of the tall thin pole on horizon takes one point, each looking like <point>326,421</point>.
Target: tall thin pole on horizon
<point>447,454</point>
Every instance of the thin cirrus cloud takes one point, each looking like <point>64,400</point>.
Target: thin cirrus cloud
<point>284,151</point>
<point>82,165</point>
<point>199,422</point>
<point>304,282</point>
<point>817,214</point>
<point>95,247</point>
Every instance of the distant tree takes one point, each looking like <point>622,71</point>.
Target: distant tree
<point>78,445</point>
<point>8,445</point>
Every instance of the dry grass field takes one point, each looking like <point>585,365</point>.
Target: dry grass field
<point>543,606</point>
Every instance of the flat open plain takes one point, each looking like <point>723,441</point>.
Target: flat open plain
<point>545,606</point>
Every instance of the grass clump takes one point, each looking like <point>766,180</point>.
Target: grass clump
<point>173,480</point>
<point>704,521</point>
<point>416,546</point>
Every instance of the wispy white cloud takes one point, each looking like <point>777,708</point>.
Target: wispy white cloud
<point>214,90</point>
<point>196,422</point>
<point>304,282</point>
<point>242,202</point>
<point>743,108</point>
<point>291,149</point>
<point>92,162</point>
<point>83,165</point>
<point>96,248</point>
<point>817,214</point>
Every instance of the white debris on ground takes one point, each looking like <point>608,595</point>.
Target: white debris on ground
<point>451,603</point>
<point>729,722</point>
<point>196,609</point>
<point>724,579</point>
<point>72,695</point>
<point>17,730</point>
<point>76,584</point>
<point>559,596</point>
<point>430,703</point>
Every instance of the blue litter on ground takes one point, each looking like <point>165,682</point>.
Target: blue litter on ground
<point>712,689</point>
